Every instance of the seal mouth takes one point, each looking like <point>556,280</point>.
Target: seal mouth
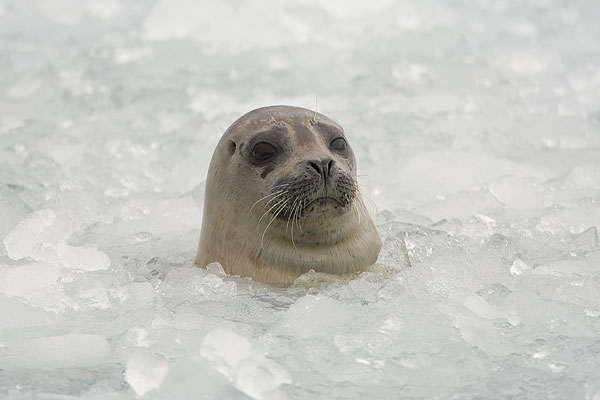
<point>322,201</point>
<point>309,207</point>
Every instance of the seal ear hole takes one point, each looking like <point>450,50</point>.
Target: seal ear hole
<point>232,147</point>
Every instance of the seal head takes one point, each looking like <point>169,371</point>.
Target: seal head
<point>281,199</point>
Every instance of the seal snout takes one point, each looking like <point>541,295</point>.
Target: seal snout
<point>323,167</point>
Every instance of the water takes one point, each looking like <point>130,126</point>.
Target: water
<point>476,127</point>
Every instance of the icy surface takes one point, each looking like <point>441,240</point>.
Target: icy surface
<point>476,125</point>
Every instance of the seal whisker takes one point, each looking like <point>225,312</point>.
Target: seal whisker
<point>270,201</point>
<point>299,213</point>
<point>360,210</point>
<point>269,195</point>
<point>368,199</point>
<point>289,216</point>
<point>272,207</point>
<point>280,186</point>
<point>295,209</point>
<point>270,222</point>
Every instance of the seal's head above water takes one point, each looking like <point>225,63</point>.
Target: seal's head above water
<point>281,198</point>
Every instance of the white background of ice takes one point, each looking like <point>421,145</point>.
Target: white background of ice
<point>476,125</point>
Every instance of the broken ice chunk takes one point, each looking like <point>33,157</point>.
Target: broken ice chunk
<point>519,267</point>
<point>233,356</point>
<point>26,280</point>
<point>145,372</point>
<point>70,350</point>
<point>86,258</point>
<point>38,227</point>
<point>12,209</point>
<point>215,268</point>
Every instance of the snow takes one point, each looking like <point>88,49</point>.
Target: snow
<point>476,131</point>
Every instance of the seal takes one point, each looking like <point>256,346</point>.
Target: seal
<point>281,199</point>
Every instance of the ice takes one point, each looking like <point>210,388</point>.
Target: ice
<point>51,352</point>
<point>86,258</point>
<point>36,283</point>
<point>518,267</point>
<point>16,315</point>
<point>475,128</point>
<point>26,280</point>
<point>312,316</point>
<point>37,228</point>
<point>145,372</point>
<point>12,209</point>
<point>197,379</point>
<point>251,372</point>
<point>41,236</point>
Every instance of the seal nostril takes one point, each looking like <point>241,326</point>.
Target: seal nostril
<point>323,167</point>
<point>315,166</point>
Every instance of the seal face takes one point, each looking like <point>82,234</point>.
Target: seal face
<point>281,199</point>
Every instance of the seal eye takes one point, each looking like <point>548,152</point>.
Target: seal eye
<point>338,144</point>
<point>263,151</point>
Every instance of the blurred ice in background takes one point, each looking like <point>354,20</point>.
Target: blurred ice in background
<point>476,125</point>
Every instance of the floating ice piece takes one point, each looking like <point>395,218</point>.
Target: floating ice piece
<point>584,176</point>
<point>469,170</point>
<point>70,350</point>
<point>312,316</point>
<point>27,280</point>
<point>86,257</point>
<point>88,293</point>
<point>575,219</point>
<point>42,236</point>
<point>139,337</point>
<point>155,216</point>
<point>36,283</point>
<point>588,239</point>
<point>215,268</point>
<point>520,194</point>
<point>155,268</point>
<point>518,267</point>
<point>196,283</point>
<point>568,268</point>
<point>12,209</point>
<point>16,314</point>
<point>193,380</point>
<point>462,205</point>
<point>38,227</point>
<point>227,347</point>
<point>482,308</point>
<point>233,356</point>
<point>145,372</point>
<point>136,295</point>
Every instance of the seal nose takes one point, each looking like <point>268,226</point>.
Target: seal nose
<point>323,167</point>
